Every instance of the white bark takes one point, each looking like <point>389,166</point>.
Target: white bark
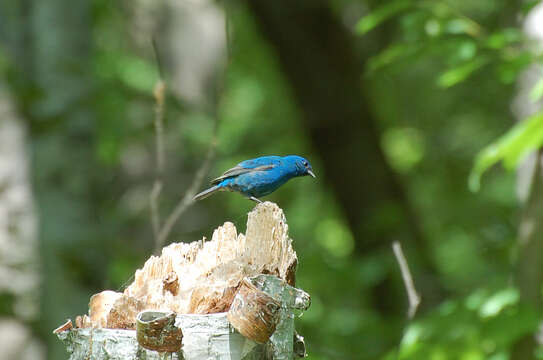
<point>18,240</point>
<point>204,336</point>
<point>19,277</point>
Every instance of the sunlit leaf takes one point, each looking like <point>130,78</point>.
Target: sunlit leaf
<point>510,148</point>
<point>458,74</point>
<point>467,50</point>
<point>499,301</point>
<point>377,16</point>
<point>472,354</point>
<point>412,335</point>
<point>432,27</point>
<point>537,91</point>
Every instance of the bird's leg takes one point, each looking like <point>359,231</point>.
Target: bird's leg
<point>254,199</point>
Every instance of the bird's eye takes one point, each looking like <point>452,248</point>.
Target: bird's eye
<point>305,163</point>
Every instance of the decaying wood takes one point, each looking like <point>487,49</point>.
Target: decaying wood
<point>202,279</point>
<point>198,282</point>
<point>208,336</point>
<point>254,313</point>
<point>156,330</point>
<point>64,327</point>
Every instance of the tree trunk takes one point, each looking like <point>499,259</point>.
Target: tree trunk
<point>529,267</point>
<point>316,53</point>
<point>19,264</point>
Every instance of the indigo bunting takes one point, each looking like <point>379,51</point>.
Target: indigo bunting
<point>259,177</point>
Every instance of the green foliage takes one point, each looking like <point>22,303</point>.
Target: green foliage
<point>377,16</point>
<point>537,91</point>
<point>480,326</point>
<point>460,73</point>
<point>510,148</point>
<point>439,29</point>
<point>466,46</point>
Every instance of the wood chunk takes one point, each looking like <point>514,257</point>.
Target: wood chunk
<point>254,313</point>
<point>100,305</point>
<point>82,322</point>
<point>156,330</point>
<point>201,304</point>
<point>123,313</point>
<point>64,327</point>
<point>170,283</point>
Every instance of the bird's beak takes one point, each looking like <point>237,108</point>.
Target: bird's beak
<point>311,173</point>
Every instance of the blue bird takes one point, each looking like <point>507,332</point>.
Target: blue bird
<point>259,177</point>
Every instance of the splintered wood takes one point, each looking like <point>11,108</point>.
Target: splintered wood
<point>201,277</point>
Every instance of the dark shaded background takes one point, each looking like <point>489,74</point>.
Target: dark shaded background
<point>391,113</point>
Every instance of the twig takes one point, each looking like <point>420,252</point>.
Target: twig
<point>187,199</point>
<point>153,204</point>
<point>159,93</point>
<point>412,295</point>
<point>227,31</point>
<point>158,59</point>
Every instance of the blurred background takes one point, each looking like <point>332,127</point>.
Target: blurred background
<point>402,107</point>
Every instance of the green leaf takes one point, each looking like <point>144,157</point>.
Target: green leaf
<point>510,148</point>
<point>497,302</point>
<point>537,91</point>
<point>380,14</point>
<point>392,54</point>
<point>460,73</point>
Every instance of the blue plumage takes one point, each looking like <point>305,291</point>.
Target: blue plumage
<point>259,177</point>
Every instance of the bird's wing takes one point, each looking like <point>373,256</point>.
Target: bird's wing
<point>238,170</point>
<point>261,161</point>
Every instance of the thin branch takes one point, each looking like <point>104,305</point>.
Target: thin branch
<point>158,59</point>
<point>412,295</point>
<point>228,33</point>
<point>159,93</point>
<point>153,204</point>
<point>187,199</point>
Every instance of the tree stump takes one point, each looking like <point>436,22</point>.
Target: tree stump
<point>203,295</point>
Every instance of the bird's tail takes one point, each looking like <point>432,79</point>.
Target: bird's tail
<point>207,193</point>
